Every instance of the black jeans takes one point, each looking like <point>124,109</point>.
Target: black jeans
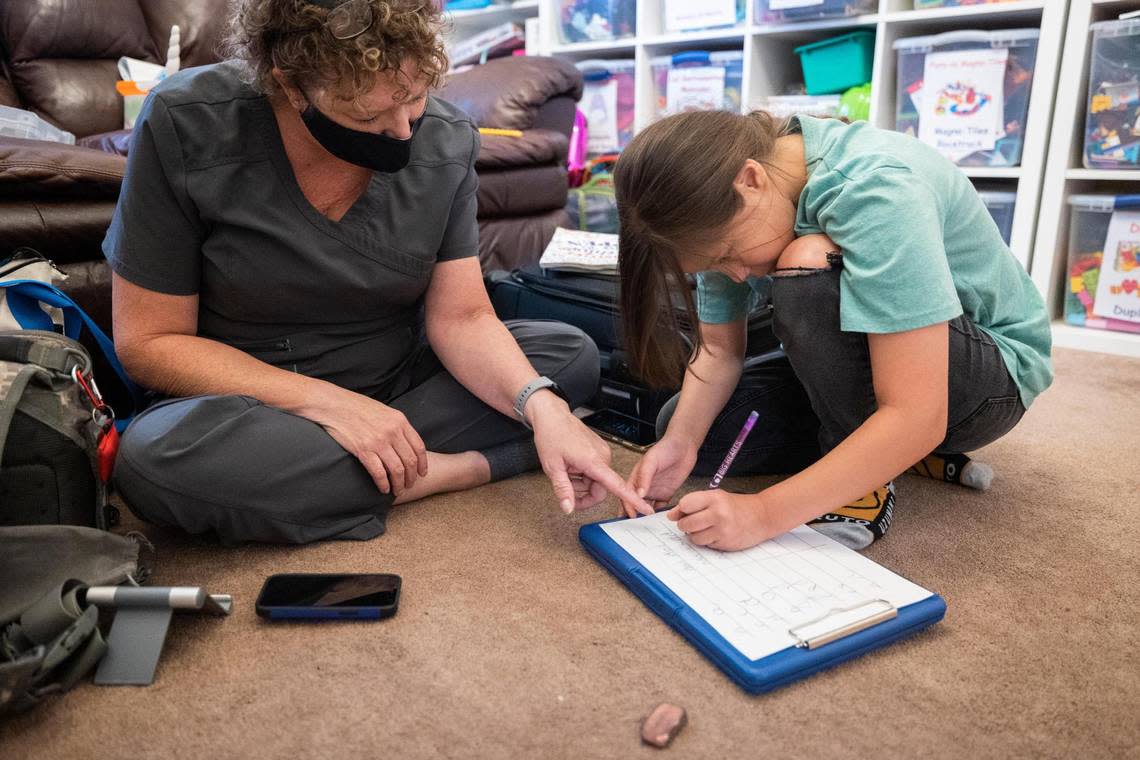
<point>824,391</point>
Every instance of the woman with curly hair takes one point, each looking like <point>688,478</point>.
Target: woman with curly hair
<point>295,270</point>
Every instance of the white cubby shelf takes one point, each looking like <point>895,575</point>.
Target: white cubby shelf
<point>770,67</point>
<point>1065,175</point>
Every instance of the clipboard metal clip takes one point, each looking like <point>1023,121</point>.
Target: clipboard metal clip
<point>811,634</point>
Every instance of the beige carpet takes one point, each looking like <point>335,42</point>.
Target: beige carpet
<point>512,643</point>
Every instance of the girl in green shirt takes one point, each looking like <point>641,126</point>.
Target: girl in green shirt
<point>908,321</point>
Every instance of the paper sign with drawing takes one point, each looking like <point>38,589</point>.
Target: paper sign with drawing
<point>1118,290</point>
<point>962,101</point>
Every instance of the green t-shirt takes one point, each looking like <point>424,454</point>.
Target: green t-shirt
<point>918,247</point>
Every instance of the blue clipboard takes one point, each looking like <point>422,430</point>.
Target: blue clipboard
<point>754,676</point>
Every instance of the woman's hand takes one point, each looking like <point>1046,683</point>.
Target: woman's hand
<point>575,459</point>
<point>658,474</point>
<point>721,520</point>
<point>379,436</point>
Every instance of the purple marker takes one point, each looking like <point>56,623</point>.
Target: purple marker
<point>736,446</point>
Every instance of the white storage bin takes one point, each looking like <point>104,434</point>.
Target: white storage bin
<point>698,81</point>
<point>967,93</point>
<point>608,102</point>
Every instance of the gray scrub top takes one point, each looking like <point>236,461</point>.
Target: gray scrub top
<point>210,205</point>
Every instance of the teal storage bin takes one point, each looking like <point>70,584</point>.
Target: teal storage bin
<point>835,64</point>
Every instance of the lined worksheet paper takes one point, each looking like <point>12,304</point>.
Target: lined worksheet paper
<point>753,597</point>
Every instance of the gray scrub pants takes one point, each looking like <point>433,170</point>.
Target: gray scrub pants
<point>823,390</point>
<point>251,472</point>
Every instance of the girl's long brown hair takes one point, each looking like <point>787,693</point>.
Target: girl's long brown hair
<point>674,189</point>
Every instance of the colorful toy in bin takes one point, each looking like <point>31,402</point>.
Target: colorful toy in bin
<point>576,156</point>
<point>837,63</point>
<point>855,104</point>
<point>1088,233</point>
<point>594,20</point>
<point>1112,129</point>
<point>971,91</point>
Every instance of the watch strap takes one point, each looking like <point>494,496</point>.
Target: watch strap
<point>529,390</point>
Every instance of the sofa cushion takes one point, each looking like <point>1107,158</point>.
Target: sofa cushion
<point>521,190</point>
<point>82,29</point>
<point>521,86</point>
<point>514,242</point>
<point>201,25</point>
<point>39,169</point>
<point>64,231</point>
<point>78,96</point>
<point>536,146</point>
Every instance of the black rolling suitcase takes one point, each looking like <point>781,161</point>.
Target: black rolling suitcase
<point>589,302</point>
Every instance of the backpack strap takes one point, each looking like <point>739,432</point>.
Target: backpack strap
<point>11,400</point>
<point>24,298</point>
<point>55,643</point>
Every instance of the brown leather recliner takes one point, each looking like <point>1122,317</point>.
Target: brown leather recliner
<point>58,59</point>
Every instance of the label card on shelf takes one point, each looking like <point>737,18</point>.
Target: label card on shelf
<point>699,88</point>
<point>1118,289</point>
<point>683,15</point>
<point>601,118</point>
<point>962,102</point>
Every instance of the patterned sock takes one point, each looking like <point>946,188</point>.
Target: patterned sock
<point>861,522</point>
<point>511,458</point>
<point>955,468</point>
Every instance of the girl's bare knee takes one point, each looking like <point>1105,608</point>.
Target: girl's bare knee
<point>805,253</point>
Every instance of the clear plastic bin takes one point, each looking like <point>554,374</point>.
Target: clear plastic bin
<point>962,101</point>
<point>698,81</point>
<point>788,11</point>
<point>594,20</point>
<point>920,5</point>
<point>1088,230</point>
<point>16,122</point>
<point>607,101</point>
<point>783,106</point>
<point>1000,205</point>
<point>1112,130</point>
<point>688,16</point>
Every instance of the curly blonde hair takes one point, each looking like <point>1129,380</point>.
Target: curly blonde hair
<point>292,36</point>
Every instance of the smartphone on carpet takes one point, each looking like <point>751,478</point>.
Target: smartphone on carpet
<point>307,596</point>
<point>622,429</point>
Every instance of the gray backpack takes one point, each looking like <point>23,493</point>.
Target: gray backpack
<point>49,434</point>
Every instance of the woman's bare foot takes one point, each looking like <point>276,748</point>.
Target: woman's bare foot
<point>449,472</point>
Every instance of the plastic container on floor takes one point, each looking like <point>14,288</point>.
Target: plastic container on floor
<point>790,11</point>
<point>837,63</point>
<point>597,20</point>
<point>1112,129</point>
<point>1088,233</point>
<point>1000,205</point>
<point>696,15</point>
<point>967,93</point>
<point>698,81</point>
<point>607,101</point>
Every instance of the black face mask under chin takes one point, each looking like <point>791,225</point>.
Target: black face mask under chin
<point>372,151</point>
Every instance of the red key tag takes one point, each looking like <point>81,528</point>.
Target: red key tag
<point>108,448</point>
